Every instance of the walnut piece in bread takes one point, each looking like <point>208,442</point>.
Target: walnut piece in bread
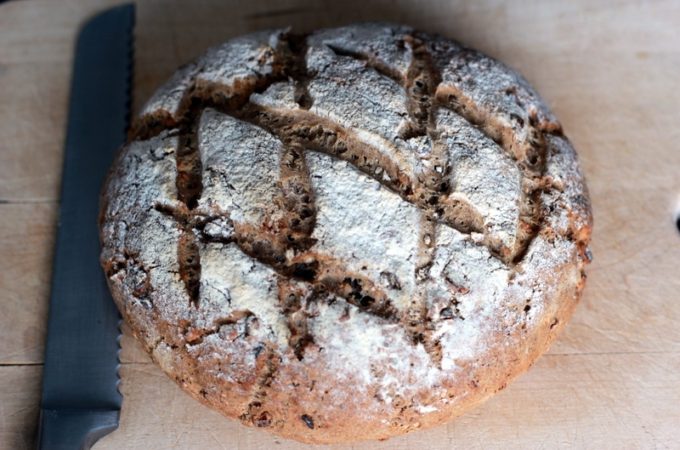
<point>345,235</point>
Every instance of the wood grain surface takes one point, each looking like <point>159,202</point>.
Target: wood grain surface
<point>611,72</point>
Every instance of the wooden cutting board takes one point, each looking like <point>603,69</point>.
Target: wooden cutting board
<point>611,71</point>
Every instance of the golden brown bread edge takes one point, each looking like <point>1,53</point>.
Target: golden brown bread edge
<point>345,428</point>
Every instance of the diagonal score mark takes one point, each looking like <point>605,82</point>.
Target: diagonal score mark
<point>195,336</point>
<point>267,364</point>
<point>189,185</point>
<point>293,300</point>
<point>370,61</point>
<point>422,79</point>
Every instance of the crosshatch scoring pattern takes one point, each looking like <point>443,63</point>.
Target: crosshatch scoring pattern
<point>277,151</point>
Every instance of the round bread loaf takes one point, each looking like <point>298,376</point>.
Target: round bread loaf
<point>345,235</point>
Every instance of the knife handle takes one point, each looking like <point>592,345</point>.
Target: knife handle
<point>75,429</point>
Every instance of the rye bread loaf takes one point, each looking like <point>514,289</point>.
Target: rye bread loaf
<point>345,235</point>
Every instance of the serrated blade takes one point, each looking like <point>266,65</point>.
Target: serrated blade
<point>80,397</point>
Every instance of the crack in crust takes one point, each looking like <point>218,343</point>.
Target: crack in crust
<point>255,413</point>
<point>416,320</point>
<point>189,259</point>
<point>293,301</point>
<point>371,61</point>
<point>295,53</point>
<point>422,80</point>
<point>297,198</point>
<point>301,129</point>
<point>130,266</point>
<point>189,186</point>
<point>195,336</point>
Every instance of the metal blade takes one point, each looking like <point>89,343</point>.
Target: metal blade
<point>80,397</point>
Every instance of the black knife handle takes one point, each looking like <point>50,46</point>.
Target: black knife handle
<point>74,429</point>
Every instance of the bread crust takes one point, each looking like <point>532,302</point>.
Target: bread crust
<point>346,235</point>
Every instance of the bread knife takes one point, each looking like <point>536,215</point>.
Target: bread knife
<point>80,398</point>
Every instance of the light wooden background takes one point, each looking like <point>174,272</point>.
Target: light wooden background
<point>611,71</point>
